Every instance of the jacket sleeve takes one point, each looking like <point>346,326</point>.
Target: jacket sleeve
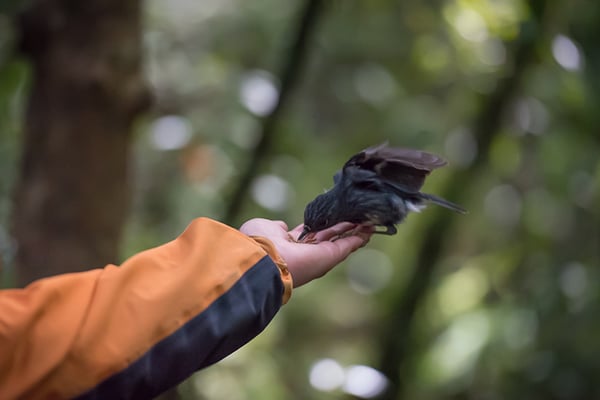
<point>136,330</point>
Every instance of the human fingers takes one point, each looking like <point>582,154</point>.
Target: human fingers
<point>326,234</point>
<point>336,251</point>
<point>315,260</point>
<point>281,224</point>
<point>264,227</point>
<point>297,230</point>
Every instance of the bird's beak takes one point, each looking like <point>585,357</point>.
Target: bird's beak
<point>305,232</point>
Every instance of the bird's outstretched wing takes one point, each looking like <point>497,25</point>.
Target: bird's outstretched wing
<point>405,169</point>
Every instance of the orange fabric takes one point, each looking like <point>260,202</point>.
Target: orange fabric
<point>285,273</point>
<point>102,320</point>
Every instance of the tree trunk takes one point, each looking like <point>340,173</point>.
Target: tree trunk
<point>87,88</point>
<point>396,336</point>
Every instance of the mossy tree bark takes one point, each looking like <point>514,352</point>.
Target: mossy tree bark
<point>87,88</point>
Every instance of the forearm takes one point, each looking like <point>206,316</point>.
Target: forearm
<point>160,316</point>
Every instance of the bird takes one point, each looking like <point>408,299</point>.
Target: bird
<point>377,187</point>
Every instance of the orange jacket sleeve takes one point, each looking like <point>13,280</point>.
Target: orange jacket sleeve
<point>134,331</point>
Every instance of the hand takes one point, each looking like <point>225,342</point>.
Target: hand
<point>308,261</point>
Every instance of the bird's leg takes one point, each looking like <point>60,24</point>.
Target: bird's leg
<point>367,226</point>
<point>390,230</point>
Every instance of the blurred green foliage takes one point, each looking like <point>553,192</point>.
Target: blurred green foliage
<point>511,309</point>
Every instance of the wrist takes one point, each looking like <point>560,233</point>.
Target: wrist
<point>286,276</point>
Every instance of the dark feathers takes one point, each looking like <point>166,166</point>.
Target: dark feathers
<point>377,186</point>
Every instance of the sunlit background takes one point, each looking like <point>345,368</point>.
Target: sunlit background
<point>503,304</point>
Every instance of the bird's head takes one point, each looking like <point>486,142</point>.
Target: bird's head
<point>319,214</point>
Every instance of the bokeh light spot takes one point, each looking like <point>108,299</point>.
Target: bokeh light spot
<point>364,381</point>
<point>461,147</point>
<point>462,290</point>
<point>520,328</point>
<point>492,52</point>
<point>374,84</point>
<point>573,280</point>
<point>456,350</point>
<point>470,25</point>
<point>369,270</point>
<point>170,132</point>
<point>566,53</point>
<point>326,375</point>
<point>531,116</point>
<point>272,192</point>
<point>258,92</point>
<point>503,205</point>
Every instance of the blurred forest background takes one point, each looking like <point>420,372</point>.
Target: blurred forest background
<point>122,121</point>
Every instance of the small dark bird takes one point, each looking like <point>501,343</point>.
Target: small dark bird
<point>376,187</point>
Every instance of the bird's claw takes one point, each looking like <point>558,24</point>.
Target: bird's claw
<point>308,239</point>
<point>358,230</point>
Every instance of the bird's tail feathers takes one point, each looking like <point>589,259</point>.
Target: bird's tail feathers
<point>443,202</point>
